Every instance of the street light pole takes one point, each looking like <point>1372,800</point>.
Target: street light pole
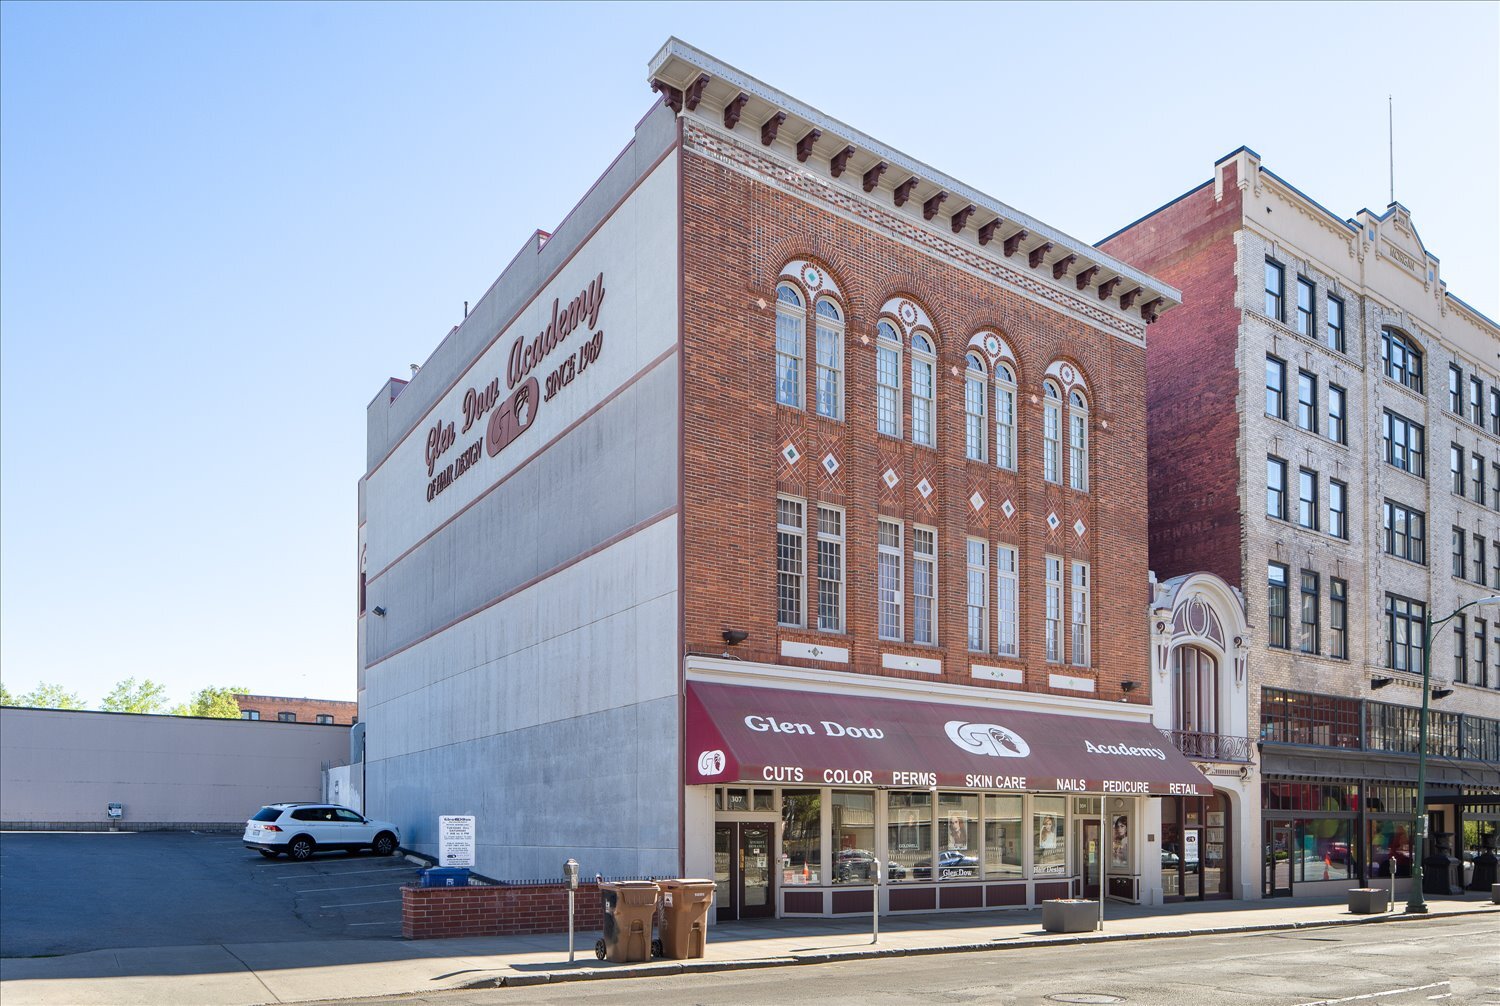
<point>1416,903</point>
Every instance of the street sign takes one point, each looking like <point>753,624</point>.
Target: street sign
<point>455,840</point>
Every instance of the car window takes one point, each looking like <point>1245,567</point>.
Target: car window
<point>266,814</point>
<point>307,814</point>
<point>348,815</point>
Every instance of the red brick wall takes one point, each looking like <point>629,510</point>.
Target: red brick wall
<point>429,913</point>
<point>738,234</point>
<point>307,710</point>
<point>1192,381</point>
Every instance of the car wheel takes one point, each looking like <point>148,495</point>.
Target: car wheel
<point>301,848</point>
<point>385,844</point>
<point>268,853</point>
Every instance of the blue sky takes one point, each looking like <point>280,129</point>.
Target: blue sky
<point>223,227</point>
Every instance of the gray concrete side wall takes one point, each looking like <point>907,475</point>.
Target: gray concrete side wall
<point>64,768</point>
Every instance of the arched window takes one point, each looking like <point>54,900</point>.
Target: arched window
<point>1005,416</point>
<point>1051,432</point>
<point>923,376</point>
<point>887,380</point>
<point>1195,690</point>
<point>830,359</point>
<point>1401,358</point>
<point>975,397</point>
<point>1078,442</point>
<point>791,322</point>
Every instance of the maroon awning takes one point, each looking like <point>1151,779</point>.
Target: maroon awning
<point>740,734</point>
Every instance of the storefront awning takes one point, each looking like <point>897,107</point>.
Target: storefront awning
<point>759,735</point>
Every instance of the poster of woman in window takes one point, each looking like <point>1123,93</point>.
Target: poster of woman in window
<point>1119,845</point>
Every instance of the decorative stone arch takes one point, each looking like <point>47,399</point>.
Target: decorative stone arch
<point>815,280</point>
<point>1200,609</point>
<point>1070,377</point>
<point>910,316</point>
<point>994,348</point>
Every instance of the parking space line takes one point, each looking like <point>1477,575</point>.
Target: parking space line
<point>353,873</point>
<point>357,904</point>
<point>348,887</point>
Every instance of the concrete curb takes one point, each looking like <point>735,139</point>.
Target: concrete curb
<point>838,956</point>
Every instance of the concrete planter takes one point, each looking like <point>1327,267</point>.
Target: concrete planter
<point>1070,916</point>
<point>1495,893</point>
<point>1368,900</point>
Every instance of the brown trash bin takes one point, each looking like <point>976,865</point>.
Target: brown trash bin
<point>684,919</point>
<point>629,907</point>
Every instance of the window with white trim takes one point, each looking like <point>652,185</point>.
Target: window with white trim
<point>1051,432</point>
<point>1005,416</point>
<point>1081,614</point>
<point>924,585</point>
<point>975,397</point>
<point>830,569</point>
<point>830,359</point>
<point>923,377</point>
<point>1078,442</point>
<point>791,322</point>
<point>790,551</point>
<point>888,573</point>
<point>978,594</point>
<point>1008,622</point>
<point>1054,609</point>
<point>887,380</point>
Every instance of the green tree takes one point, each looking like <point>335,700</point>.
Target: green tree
<point>128,696</point>
<point>5,699</point>
<point>217,703</point>
<point>49,696</point>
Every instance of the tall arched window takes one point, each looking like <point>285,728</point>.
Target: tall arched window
<point>830,359</point>
<point>1195,690</point>
<point>1005,416</point>
<point>791,322</point>
<point>887,380</point>
<point>975,396</point>
<point>1051,432</point>
<point>1078,442</point>
<point>923,377</point>
<point>1401,358</point>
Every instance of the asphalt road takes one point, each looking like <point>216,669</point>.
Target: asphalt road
<point>1432,963</point>
<point>62,893</point>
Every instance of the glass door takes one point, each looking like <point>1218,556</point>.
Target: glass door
<point>1192,863</point>
<point>726,874</point>
<point>755,893</point>
<point>1089,855</point>
<point>1279,850</point>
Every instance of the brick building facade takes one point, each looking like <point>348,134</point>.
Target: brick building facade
<point>287,709</point>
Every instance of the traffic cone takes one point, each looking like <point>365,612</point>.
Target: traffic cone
<point>1326,866</point>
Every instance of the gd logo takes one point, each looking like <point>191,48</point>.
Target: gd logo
<point>512,417</point>
<point>711,763</point>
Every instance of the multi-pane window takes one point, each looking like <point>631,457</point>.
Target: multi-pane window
<point>1401,359</point>
<point>978,595</point>
<point>286,717</point>
<point>888,577</point>
<point>1054,609</point>
<point>1476,401</point>
<point>1461,649</point>
<point>1338,509</point>
<point>1275,387</point>
<point>1078,442</point>
<point>1456,468</point>
<point>1051,432</point>
<point>1481,653</point>
<point>1307,640</point>
<point>887,380</point>
<point>791,321</point>
<point>1005,417</point>
<point>1335,324</point>
<point>1307,498</point>
<point>1406,623</point>
<point>1306,292</point>
<point>790,544</point>
<point>1477,469</point>
<point>924,585</point>
<point>975,398</point>
<point>1307,401</point>
<point>1455,389</point>
<point>1460,554</point>
<point>1008,622</point>
<point>1405,443</point>
<point>830,360</point>
<point>830,569</point>
<point>1494,484</point>
<point>923,374</point>
<point>1337,420</point>
<point>1495,569</point>
<point>1338,619</point>
<point>1481,557</point>
<point>1081,614</point>
<point>1276,601</point>
<point>1495,411</point>
<point>1405,533</point>
<point>1275,290</point>
<point>1275,488</point>
<point>324,718</point>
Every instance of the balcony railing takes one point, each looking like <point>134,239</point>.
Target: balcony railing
<point>1210,747</point>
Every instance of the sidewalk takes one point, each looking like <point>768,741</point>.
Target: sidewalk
<point>244,974</point>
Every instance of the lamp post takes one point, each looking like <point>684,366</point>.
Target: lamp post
<point>1416,904</point>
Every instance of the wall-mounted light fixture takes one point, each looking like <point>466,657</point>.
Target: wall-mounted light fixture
<point>378,610</point>
<point>1378,683</point>
<point>734,637</point>
<point>1441,693</point>
<point>1129,686</point>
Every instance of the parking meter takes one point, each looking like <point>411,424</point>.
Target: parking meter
<point>570,879</point>
<point>877,875</point>
<point>570,874</point>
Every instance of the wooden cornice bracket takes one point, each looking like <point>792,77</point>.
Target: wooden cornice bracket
<point>961,218</point>
<point>694,92</point>
<point>805,145</point>
<point>770,128</point>
<point>1126,299</point>
<point>1149,310</point>
<point>987,231</point>
<point>1060,267</point>
<point>839,161</point>
<point>931,206</point>
<point>1039,253</point>
<point>734,108</point>
<point>903,191</point>
<point>1087,276</point>
<point>872,177</point>
<point>1108,287</point>
<point>1014,241</point>
<point>672,96</point>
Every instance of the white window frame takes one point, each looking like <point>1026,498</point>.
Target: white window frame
<point>924,608</point>
<point>1005,417</point>
<point>1051,432</point>
<point>1053,566</point>
<point>887,379</point>
<point>889,569</point>
<point>829,359</point>
<point>1007,602</point>
<point>976,398</point>
<point>1081,615</point>
<point>977,582</point>
<point>791,322</point>
<point>1078,441</point>
<point>795,578</point>
<point>832,540</point>
<point>923,407</point>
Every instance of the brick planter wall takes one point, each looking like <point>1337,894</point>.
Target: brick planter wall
<point>429,913</point>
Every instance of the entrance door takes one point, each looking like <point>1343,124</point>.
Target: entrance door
<point>743,871</point>
<point>1192,863</point>
<point>1278,857</point>
<point>1090,854</point>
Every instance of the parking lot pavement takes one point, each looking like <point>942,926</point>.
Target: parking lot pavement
<point>63,893</point>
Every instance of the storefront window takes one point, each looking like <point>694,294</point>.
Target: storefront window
<point>909,836</point>
<point>1325,849</point>
<point>853,837</point>
<point>1004,833</point>
<point>958,836</point>
<point>1049,834</point>
<point>801,827</point>
<point>1389,841</point>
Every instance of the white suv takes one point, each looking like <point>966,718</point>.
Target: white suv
<point>300,829</point>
